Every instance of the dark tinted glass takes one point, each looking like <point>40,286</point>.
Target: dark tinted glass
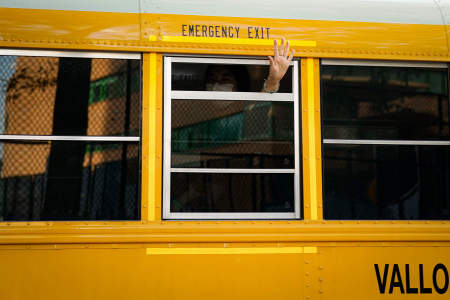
<point>384,103</point>
<point>69,96</point>
<point>192,192</point>
<point>386,182</point>
<point>69,181</point>
<point>223,77</point>
<point>232,134</point>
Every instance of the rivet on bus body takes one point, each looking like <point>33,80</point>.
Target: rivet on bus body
<point>306,261</point>
<point>145,206</point>
<point>307,274</point>
<point>307,205</point>
<point>321,268</point>
<point>308,297</point>
<point>321,291</point>
<point>320,279</point>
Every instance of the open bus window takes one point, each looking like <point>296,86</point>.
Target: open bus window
<point>229,155</point>
<point>386,143</point>
<point>224,77</point>
<point>69,136</point>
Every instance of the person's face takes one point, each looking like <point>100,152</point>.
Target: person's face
<point>221,79</point>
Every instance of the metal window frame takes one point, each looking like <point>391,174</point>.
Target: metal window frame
<point>231,96</point>
<point>76,54</point>
<point>386,63</point>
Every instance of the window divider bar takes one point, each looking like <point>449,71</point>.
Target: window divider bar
<point>221,61</point>
<point>243,96</point>
<point>232,216</point>
<point>385,142</point>
<point>236,171</point>
<point>372,63</point>
<point>10,137</point>
<point>77,54</point>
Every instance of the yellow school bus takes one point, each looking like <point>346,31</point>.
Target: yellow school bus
<point>123,176</point>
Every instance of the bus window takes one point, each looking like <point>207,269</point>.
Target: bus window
<point>69,136</point>
<point>220,77</point>
<point>229,153</point>
<point>386,141</point>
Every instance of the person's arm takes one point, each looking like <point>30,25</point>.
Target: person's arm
<point>279,65</point>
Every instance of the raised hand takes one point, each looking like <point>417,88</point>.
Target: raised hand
<point>279,65</point>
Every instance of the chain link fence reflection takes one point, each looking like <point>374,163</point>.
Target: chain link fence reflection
<point>44,180</point>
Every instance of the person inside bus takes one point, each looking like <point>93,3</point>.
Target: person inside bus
<point>227,78</point>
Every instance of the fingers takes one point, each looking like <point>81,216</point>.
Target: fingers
<point>275,49</point>
<point>270,60</point>
<point>281,51</point>
<point>291,55</point>
<point>286,49</point>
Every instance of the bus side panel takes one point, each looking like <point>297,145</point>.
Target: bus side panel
<point>332,272</point>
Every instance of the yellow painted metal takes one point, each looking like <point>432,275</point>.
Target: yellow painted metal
<point>329,272</point>
<point>310,142</point>
<point>318,139</point>
<point>34,28</point>
<point>228,251</point>
<point>236,231</point>
<point>151,137</point>
<point>147,161</point>
<point>131,274</point>
<point>232,41</point>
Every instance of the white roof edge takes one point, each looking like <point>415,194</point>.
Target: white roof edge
<point>384,11</point>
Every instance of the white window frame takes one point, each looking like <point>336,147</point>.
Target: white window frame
<point>233,96</point>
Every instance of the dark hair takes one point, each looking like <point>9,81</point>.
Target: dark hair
<point>239,72</point>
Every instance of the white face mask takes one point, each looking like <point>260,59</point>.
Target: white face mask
<point>220,87</point>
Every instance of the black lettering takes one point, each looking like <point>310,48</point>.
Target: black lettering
<point>196,30</point>
<point>262,32</point>
<point>230,33</point>
<point>409,289</point>
<point>224,31</point>
<point>256,32</point>
<point>382,284</point>
<point>191,30</point>
<point>204,29</point>
<point>394,282</point>
<point>183,30</point>
<point>237,32</point>
<point>267,33</point>
<point>249,32</point>
<point>211,31</point>
<point>217,31</point>
<point>436,287</point>
<point>423,290</point>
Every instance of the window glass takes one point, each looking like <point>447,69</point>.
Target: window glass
<point>386,152</point>
<point>398,103</point>
<point>229,155</point>
<point>240,193</point>
<point>69,181</point>
<point>386,182</point>
<point>233,134</point>
<point>70,96</point>
<point>58,116</point>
